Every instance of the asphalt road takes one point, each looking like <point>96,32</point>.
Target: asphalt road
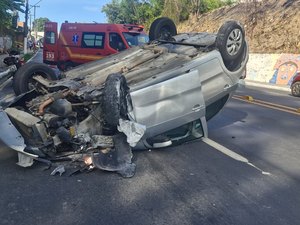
<point>189,184</point>
<point>38,56</point>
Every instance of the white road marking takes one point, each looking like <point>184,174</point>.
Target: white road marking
<point>231,154</point>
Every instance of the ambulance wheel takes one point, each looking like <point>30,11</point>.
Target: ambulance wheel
<point>23,82</point>
<point>115,94</point>
<point>231,43</point>
<point>68,66</point>
<point>162,28</point>
<point>65,66</point>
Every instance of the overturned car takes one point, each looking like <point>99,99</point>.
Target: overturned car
<point>145,97</point>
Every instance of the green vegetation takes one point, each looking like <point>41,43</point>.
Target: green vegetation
<point>208,5</point>
<point>27,56</point>
<point>132,11</point>
<point>9,13</point>
<point>9,16</point>
<point>145,11</point>
<point>39,23</point>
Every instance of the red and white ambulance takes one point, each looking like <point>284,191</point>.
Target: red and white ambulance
<point>78,43</point>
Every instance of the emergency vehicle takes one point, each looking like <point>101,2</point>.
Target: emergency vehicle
<point>78,43</point>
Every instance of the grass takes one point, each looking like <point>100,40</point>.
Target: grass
<point>27,56</point>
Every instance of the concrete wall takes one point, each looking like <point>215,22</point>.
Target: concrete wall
<point>5,43</point>
<point>273,68</point>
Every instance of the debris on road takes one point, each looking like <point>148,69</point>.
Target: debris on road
<point>58,170</point>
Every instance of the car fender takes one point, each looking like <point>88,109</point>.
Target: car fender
<point>10,136</point>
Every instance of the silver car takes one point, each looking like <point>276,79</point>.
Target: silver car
<point>151,96</point>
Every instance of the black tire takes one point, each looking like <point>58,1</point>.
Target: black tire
<point>68,66</point>
<point>65,66</point>
<point>115,95</point>
<point>295,89</point>
<point>231,43</point>
<point>22,78</point>
<point>162,28</point>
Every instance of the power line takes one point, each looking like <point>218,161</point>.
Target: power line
<point>35,4</point>
<point>26,21</point>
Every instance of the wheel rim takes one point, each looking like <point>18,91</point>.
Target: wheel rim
<point>164,33</point>
<point>296,89</point>
<point>234,42</point>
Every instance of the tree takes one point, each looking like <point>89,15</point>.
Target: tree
<point>145,11</point>
<point>133,11</point>
<point>195,7</point>
<point>7,7</point>
<point>9,17</point>
<point>177,10</point>
<point>38,24</point>
<point>113,12</point>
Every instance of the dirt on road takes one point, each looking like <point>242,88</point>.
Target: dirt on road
<point>272,26</point>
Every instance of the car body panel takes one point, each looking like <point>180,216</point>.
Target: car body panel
<point>296,77</point>
<point>169,104</point>
<point>10,136</point>
<point>295,85</point>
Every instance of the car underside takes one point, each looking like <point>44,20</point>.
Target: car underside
<point>145,97</point>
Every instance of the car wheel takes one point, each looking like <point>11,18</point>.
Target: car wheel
<point>115,96</point>
<point>23,81</point>
<point>295,89</point>
<point>162,29</point>
<point>231,43</point>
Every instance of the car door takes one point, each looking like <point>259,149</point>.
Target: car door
<point>169,104</point>
<point>216,80</point>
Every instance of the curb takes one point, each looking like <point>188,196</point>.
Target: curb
<point>34,55</point>
<point>266,85</point>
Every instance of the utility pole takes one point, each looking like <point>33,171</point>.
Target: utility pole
<point>34,25</point>
<point>26,21</point>
<point>26,26</point>
<point>30,21</point>
<point>34,13</point>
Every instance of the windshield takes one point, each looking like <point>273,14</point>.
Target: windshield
<point>135,39</point>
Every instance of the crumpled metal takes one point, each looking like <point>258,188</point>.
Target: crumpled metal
<point>132,130</point>
<point>58,170</point>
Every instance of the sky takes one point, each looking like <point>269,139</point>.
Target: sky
<point>70,10</point>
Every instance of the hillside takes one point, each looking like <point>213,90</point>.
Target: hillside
<point>271,26</point>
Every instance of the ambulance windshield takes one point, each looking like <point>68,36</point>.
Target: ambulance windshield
<point>136,39</point>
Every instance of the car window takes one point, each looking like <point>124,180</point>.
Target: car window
<point>184,133</point>
<point>92,40</point>
<point>135,39</point>
<point>116,42</point>
<point>50,37</point>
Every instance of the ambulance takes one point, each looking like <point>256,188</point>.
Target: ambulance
<point>78,43</point>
